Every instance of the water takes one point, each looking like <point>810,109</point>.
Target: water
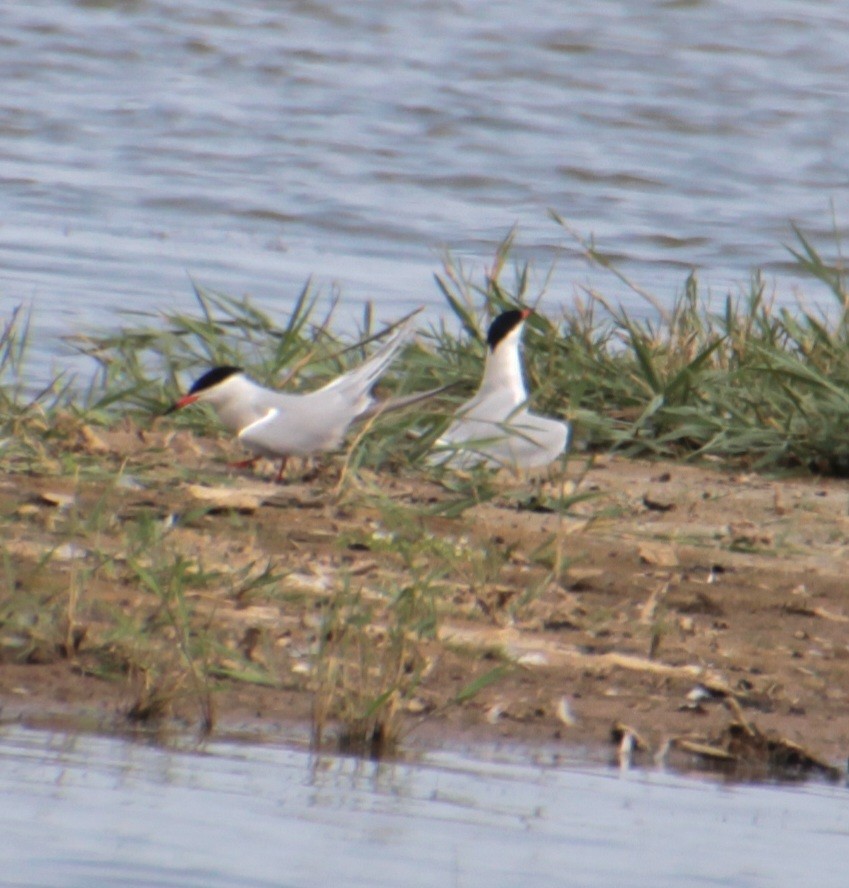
<point>254,145</point>
<point>90,811</point>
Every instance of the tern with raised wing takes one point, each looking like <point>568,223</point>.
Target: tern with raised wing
<point>495,428</point>
<point>281,424</point>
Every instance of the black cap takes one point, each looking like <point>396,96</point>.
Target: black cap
<point>504,324</point>
<point>213,377</point>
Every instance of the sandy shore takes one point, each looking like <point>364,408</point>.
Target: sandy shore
<point>694,605</point>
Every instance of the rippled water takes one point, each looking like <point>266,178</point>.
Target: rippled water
<point>88,811</point>
<point>253,145</point>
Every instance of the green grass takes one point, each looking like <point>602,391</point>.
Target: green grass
<point>739,378</point>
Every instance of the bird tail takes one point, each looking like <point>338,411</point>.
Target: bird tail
<point>357,383</point>
<point>391,404</point>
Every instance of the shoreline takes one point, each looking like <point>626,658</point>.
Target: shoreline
<point>676,600</point>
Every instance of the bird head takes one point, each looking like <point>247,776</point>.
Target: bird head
<point>507,323</point>
<point>212,386</point>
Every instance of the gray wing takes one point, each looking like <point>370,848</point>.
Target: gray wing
<point>308,426</point>
<point>355,385</point>
<point>522,440</point>
<point>260,435</point>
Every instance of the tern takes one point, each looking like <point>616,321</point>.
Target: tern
<point>280,424</point>
<point>495,428</point>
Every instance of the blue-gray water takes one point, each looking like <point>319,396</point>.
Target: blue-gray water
<point>90,811</point>
<point>252,145</point>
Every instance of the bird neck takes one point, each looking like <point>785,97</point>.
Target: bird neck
<point>503,370</point>
<point>237,401</point>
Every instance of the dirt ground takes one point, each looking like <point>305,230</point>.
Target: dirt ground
<point>703,611</point>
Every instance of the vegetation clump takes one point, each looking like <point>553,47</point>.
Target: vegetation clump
<point>743,378</point>
<point>137,562</point>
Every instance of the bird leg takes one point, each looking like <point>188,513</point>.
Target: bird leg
<point>280,471</point>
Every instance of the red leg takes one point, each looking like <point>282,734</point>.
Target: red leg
<point>283,462</point>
